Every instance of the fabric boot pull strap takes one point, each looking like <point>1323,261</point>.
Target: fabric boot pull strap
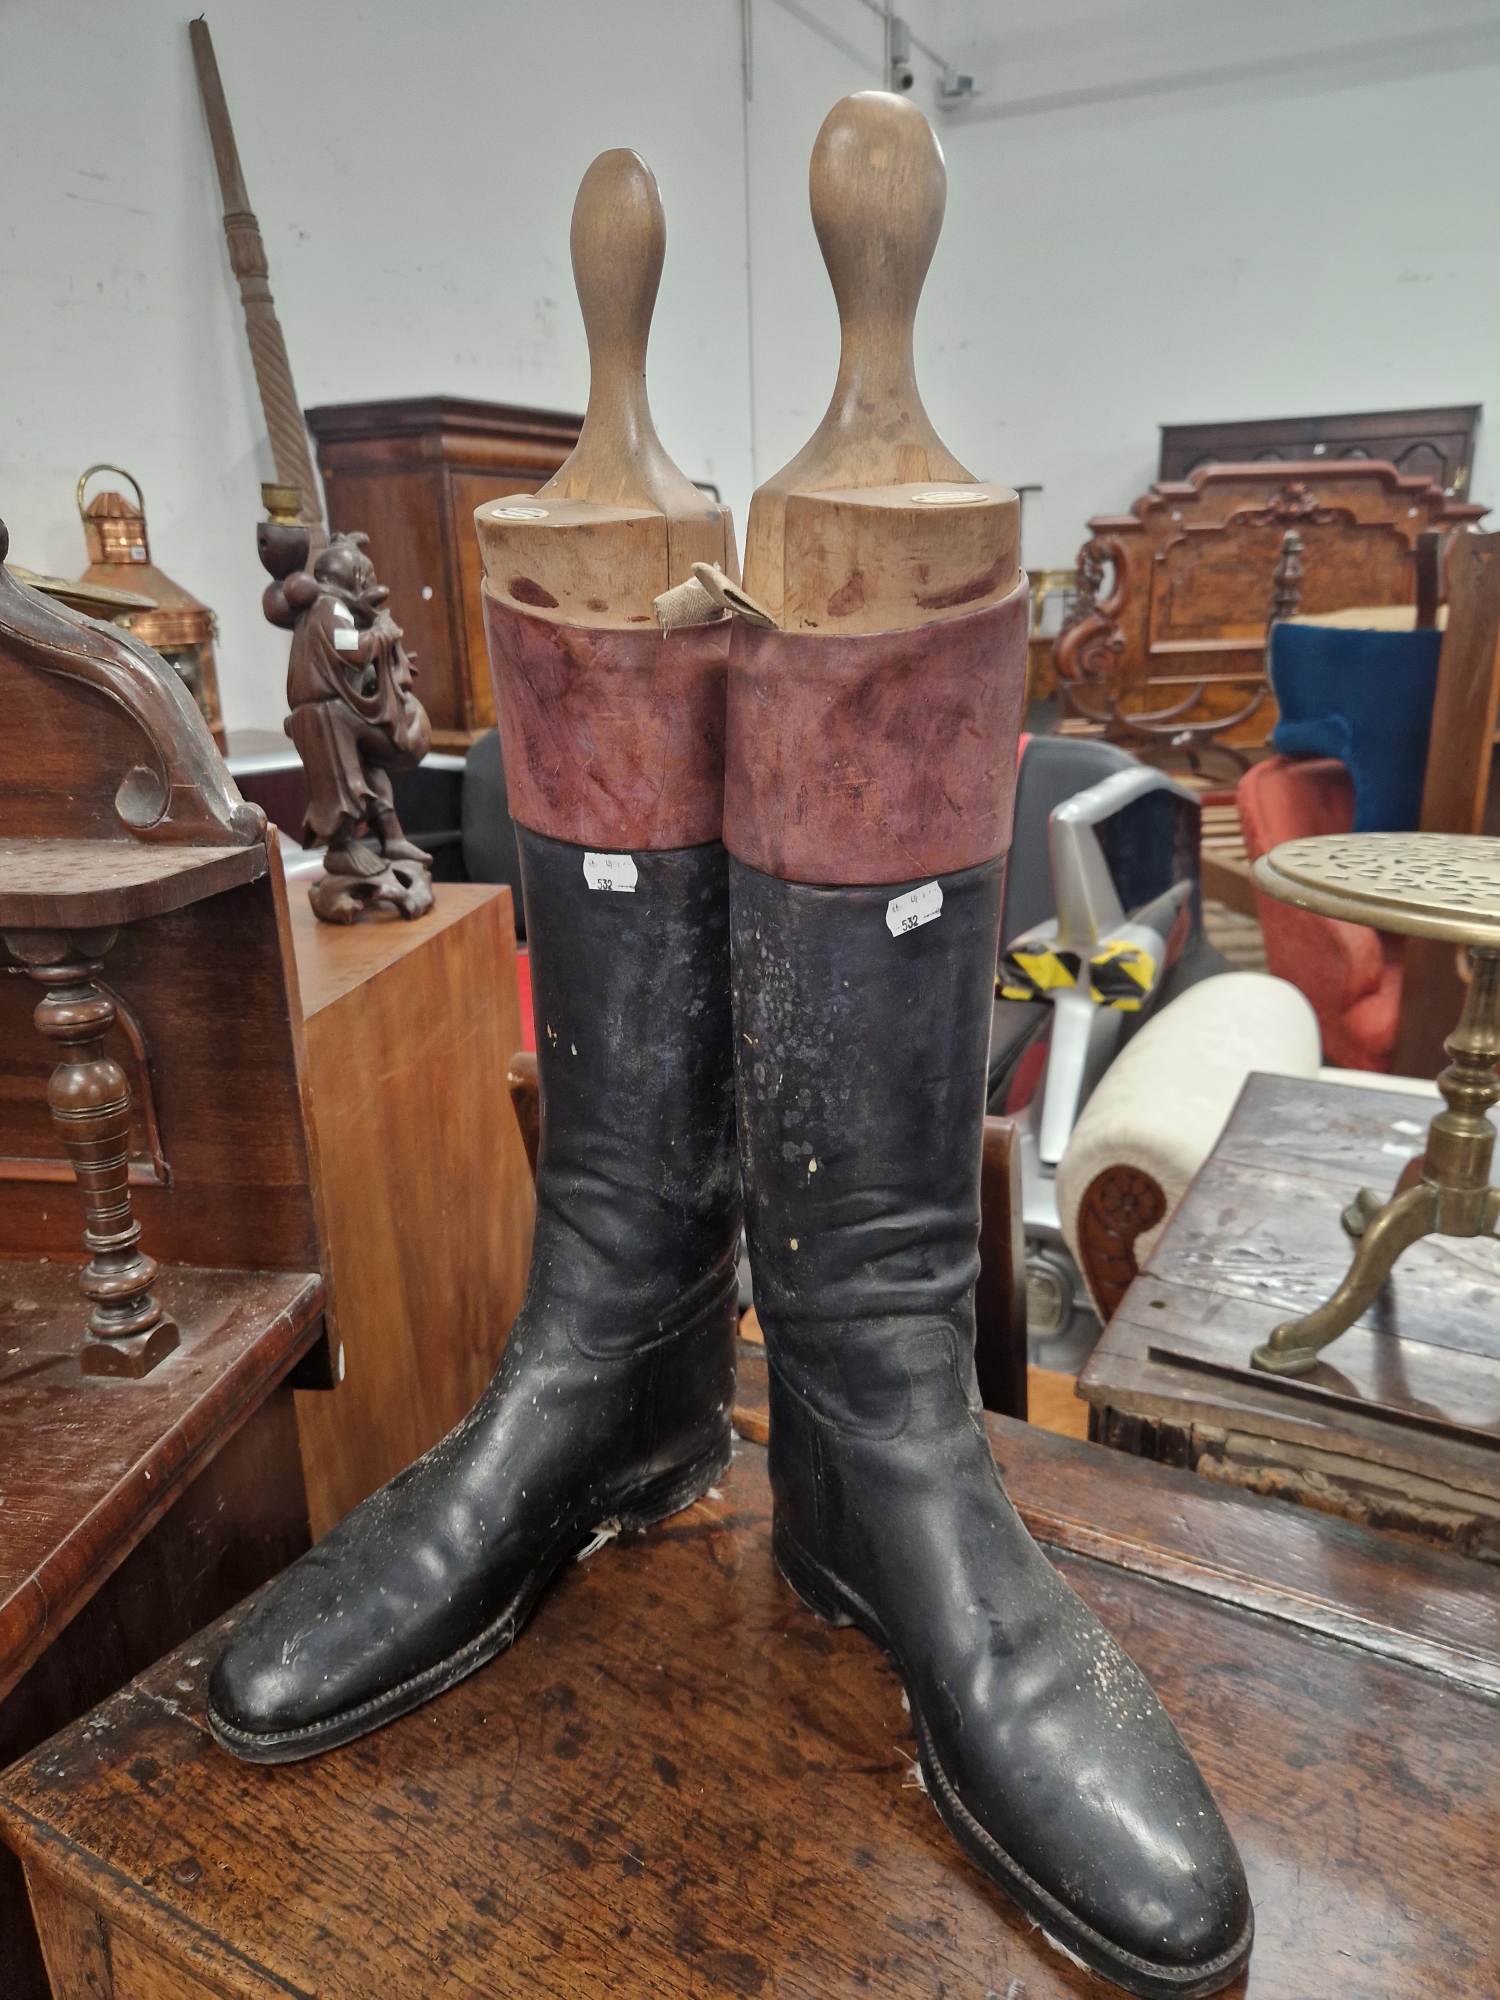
<point>707,596</point>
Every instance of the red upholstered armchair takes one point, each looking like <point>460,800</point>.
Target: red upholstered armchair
<point>1351,974</point>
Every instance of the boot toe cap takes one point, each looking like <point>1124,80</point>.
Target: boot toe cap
<point>269,1681</point>
<point>1189,1915</point>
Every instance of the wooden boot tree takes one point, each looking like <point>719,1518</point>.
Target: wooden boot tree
<point>875,526</point>
<point>618,524</point>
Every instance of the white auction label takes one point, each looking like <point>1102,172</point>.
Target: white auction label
<point>915,908</point>
<point>518,513</point>
<point>610,871</point>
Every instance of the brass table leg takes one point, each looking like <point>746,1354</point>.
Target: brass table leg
<point>89,1096</point>
<point>1453,1197</point>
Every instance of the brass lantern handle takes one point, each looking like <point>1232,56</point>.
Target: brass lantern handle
<point>140,496</point>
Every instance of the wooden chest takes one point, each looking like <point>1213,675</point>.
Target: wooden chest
<point>679,1784</point>
<point>410,473</point>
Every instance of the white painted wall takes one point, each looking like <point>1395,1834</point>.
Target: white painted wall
<point>1159,210</point>
<point>413,169</point>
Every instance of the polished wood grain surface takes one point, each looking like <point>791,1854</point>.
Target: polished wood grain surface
<point>332,963</point>
<point>1192,565</point>
<point>427,1195</point>
<point>618,523</point>
<point>1000,1293</point>
<point>87,884</point>
<point>132,1510</point>
<point>1456,793</point>
<point>680,1783</point>
<point>1399,1424</point>
<point>86,1466</point>
<point>1053,1403</point>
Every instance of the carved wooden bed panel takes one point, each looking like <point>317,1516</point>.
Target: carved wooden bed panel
<point>1176,646</point>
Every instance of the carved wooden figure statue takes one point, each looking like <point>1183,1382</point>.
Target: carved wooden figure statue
<point>618,523</point>
<point>354,719</point>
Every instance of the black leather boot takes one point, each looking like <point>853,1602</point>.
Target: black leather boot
<point>861,1076</point>
<point>612,1401</point>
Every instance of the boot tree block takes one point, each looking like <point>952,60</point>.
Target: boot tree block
<point>875,525</point>
<point>618,523</point>
<point>888,557</point>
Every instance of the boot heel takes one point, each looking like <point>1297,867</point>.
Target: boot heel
<point>812,1584</point>
<point>679,1488</point>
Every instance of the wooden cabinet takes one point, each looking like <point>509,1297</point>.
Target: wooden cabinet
<point>151,1089</point>
<point>1430,444</point>
<point>1396,1427</point>
<point>427,1197</point>
<point>410,473</point>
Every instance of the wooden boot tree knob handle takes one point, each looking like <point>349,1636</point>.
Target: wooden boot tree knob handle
<point>878,188</point>
<point>856,534</point>
<point>618,523</point>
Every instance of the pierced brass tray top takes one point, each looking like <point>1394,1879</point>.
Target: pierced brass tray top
<point>1437,885</point>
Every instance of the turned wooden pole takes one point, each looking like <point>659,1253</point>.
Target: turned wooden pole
<point>247,256</point>
<point>89,1097</point>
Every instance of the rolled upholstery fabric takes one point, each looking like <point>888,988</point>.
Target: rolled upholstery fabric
<point>875,757</point>
<point>611,739</point>
<point>1167,1096</point>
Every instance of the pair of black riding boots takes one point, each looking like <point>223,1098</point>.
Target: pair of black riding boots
<point>850,1058</point>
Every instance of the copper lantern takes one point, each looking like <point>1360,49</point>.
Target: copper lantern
<point>179,628</point>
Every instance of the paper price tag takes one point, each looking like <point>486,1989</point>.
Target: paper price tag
<point>610,871</point>
<point>915,908</point>
<point>345,639</point>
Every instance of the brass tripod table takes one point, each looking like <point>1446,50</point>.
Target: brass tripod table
<point>1432,885</point>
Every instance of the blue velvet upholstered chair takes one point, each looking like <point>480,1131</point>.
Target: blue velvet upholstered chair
<point>1366,698</point>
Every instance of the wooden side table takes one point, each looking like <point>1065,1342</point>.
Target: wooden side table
<point>678,1783</point>
<point>426,1195</point>
<point>1399,1423</point>
<point>132,1512</point>
<point>160,1276</point>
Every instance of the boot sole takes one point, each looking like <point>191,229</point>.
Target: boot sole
<point>650,1505</point>
<point>836,1604</point>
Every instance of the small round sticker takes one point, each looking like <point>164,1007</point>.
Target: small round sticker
<point>961,496</point>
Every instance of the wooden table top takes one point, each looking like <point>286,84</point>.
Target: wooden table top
<point>332,959</point>
<point>88,1464</point>
<point>93,884</point>
<point>1414,1385</point>
<point>680,1783</point>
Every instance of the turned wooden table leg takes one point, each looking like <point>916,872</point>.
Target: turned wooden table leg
<point>89,1095</point>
